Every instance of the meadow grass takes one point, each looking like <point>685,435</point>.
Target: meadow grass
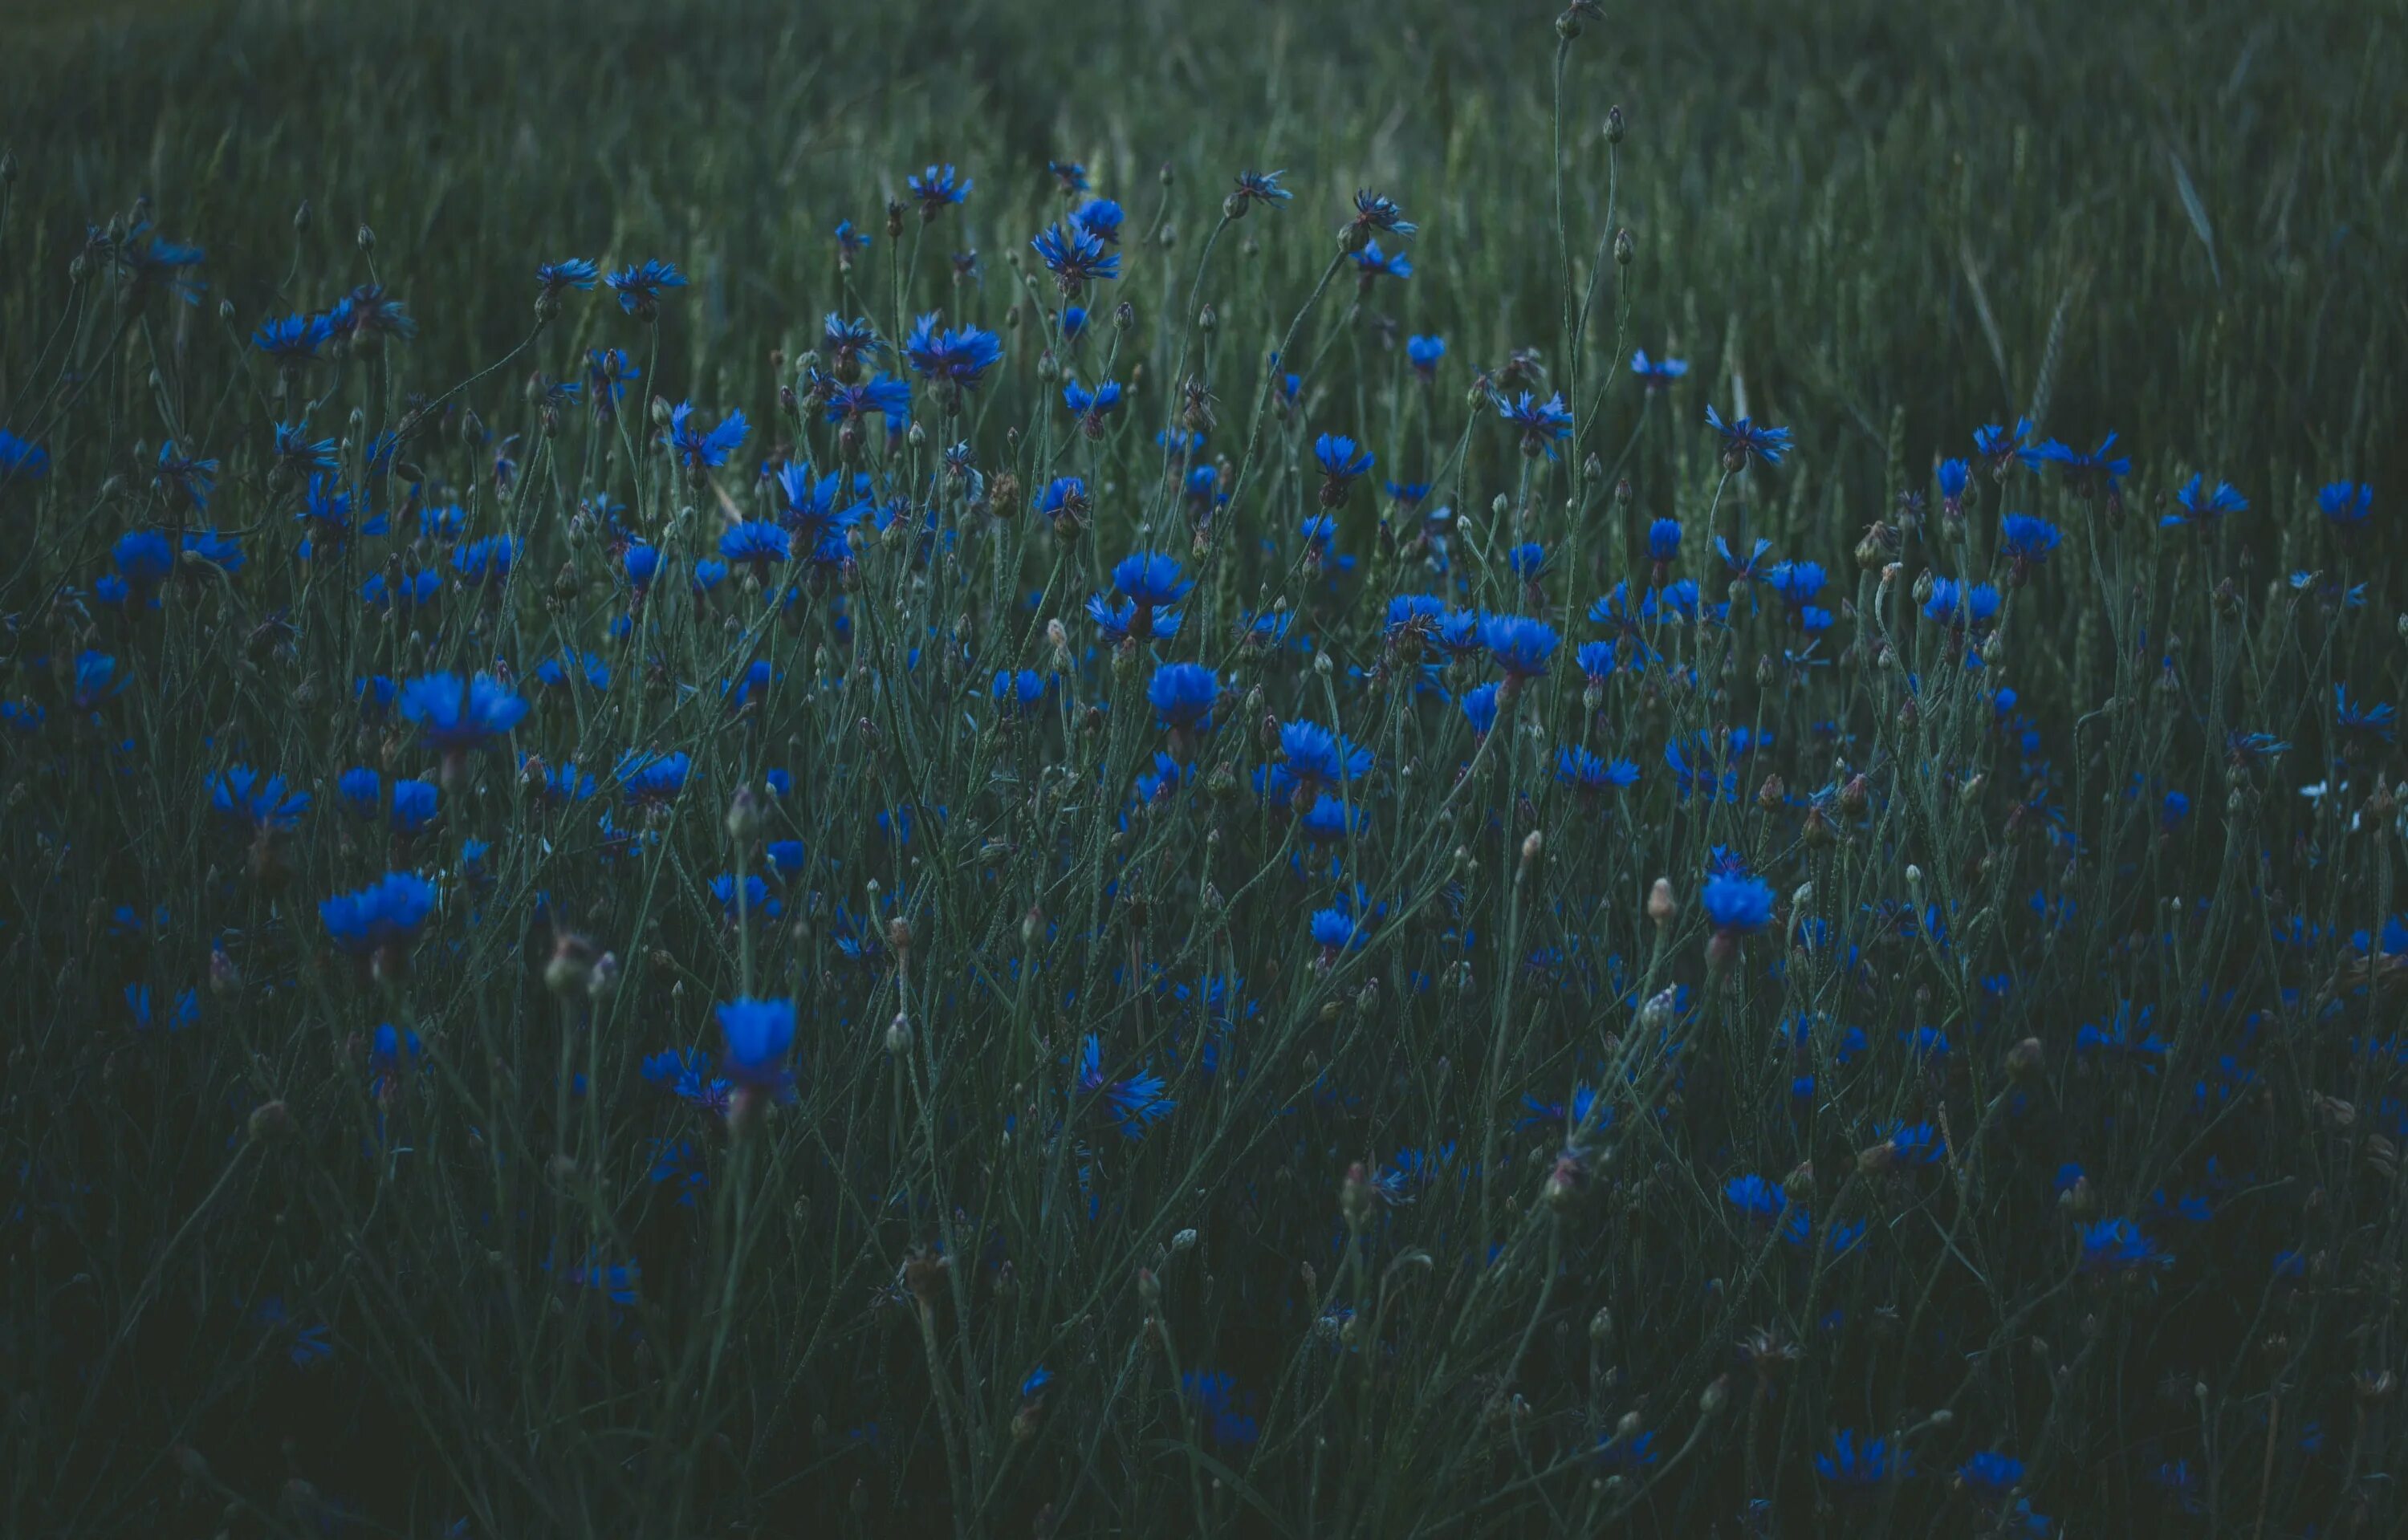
<point>725,897</point>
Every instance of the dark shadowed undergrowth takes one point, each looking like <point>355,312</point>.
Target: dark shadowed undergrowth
<point>1349,770</point>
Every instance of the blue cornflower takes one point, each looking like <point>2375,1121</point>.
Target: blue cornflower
<point>1182,695</point>
<point>1961,606</point>
<point>1226,1418</point>
<point>1064,497</point>
<point>1147,581</point>
<point>607,373</point>
<point>639,287</point>
<point>21,460</point>
<point>1018,692</point>
<point>1596,661</point>
<point>293,340</point>
<point>2171,812</point>
<point>1743,441</point>
<point>1091,407</point>
<point>758,1033</point>
<point>1372,265</point>
<point>960,357</point>
<point>456,715</point>
<point>2246,751</point>
<point>1742,569</point>
<point>1317,757</point>
<point>485,561</point>
<point>1736,903</point>
<point>1256,186</point>
<point>296,450</point>
<point>936,188</point>
<point>2361,721</point>
<point>1996,445</point>
<point>1135,1103</point>
<point>2127,1036</point>
<point>651,778</point>
<point>1335,931</point>
<point>850,243</point>
<point>696,449</point>
<point>1990,1475</point>
<point>2100,470</point>
<point>220,550</point>
<point>1375,212</point>
<point>1908,1144</point>
<point>1953,475</point>
<point>590,666</point>
<point>242,795</point>
<point>1657,374</point>
<point>1759,1200</point>
<point>2027,540</point>
<point>1869,1463</point>
<point>847,342</point>
<point>1076,257</point>
<point>641,563</point>
<point>2119,1246</point>
<point>1069,175</point>
<point>885,396</point>
<point>1527,560</point>
<point>2198,505</point>
<point>143,558</point>
<point>1518,644</point>
<point>1423,353</point>
<point>756,541</point>
<point>148,261</point>
<point>1320,532</point>
<point>1416,613</point>
<point>2347,503</point>
<point>1795,583</point>
<point>1581,769</point>
<point>186,1014</point>
<point>1663,544</point>
<point>368,311</point>
<point>1342,461</point>
<point>383,917</point>
<point>1479,709</point>
<point>553,278</point>
<point>1100,218</point>
<point>1540,422</point>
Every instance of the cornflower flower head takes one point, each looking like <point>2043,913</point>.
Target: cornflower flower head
<point>847,342</point>
<point>22,460</point>
<point>1317,757</point>
<point>1135,1103</point>
<point>1797,583</point>
<point>1657,374</point>
<point>758,1034</point>
<point>1761,1201</point>
<point>1479,709</point>
<point>1076,256</point>
<point>958,357</point>
<point>1592,776</point>
<point>1372,265</point>
<point>698,451</point>
<point>2346,504</point>
<point>888,396</point>
<point>1183,694</point>
<point>1376,214</point>
<point>2360,721</point>
<point>296,451</point>
<point>1540,423</point>
<point>2100,470</point>
<point>1068,175</point>
<point>2198,505</point>
<point>143,559</point>
<point>1744,442</point>
<point>1738,905</point>
<point>485,561</point>
<point>381,920</point>
<point>651,778</point>
<point>607,372</point>
<point>1100,218</point>
<point>757,542</point>
<point>1092,406</point>
<point>1518,644</point>
<point>1342,462</point>
<point>641,563</point>
<point>1998,446</point>
<point>145,261</point>
<point>850,243</point>
<point>1663,546</point>
<point>2115,1246</point>
<point>1953,476</point>
<point>367,312</point>
<point>457,715</point>
<point>1255,187</point>
<point>293,340</point>
<point>1425,354</point>
<point>1861,1465</point>
<point>2026,543</point>
<point>639,287</point>
<point>555,279</point>
<point>936,188</point>
<point>240,794</point>
<point>1963,607</point>
<point>1017,693</point>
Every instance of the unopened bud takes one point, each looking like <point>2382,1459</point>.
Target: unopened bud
<point>1661,905</point>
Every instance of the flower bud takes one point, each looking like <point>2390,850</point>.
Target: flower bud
<point>1661,905</point>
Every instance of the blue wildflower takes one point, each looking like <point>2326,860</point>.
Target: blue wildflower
<point>1657,374</point>
<point>696,449</point>
<point>456,715</point>
<point>1862,1465</point>
<point>960,357</point>
<point>1743,441</point>
<point>2119,1246</point>
<point>2199,506</point>
<point>639,287</point>
<point>1736,903</point>
<point>1342,462</point>
<point>1135,1103</point>
<point>1076,257</point>
<point>384,917</point>
<point>937,188</point>
<point>553,278</point>
<point>759,1035</point>
<point>242,795</point>
<point>1182,695</point>
<point>1423,353</point>
<point>2346,505</point>
<point>1540,422</point>
<point>1255,187</point>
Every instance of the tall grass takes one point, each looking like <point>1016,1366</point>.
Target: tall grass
<point>1807,1008</point>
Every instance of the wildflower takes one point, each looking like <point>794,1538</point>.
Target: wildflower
<point>368,311</point>
<point>1657,374</point>
<point>1479,709</point>
<point>242,795</point>
<point>1076,257</point>
<point>2027,542</point>
<point>1952,477</point>
<point>1182,695</point>
<point>1540,422</point>
<point>1519,646</point>
<point>1423,353</point>
<point>485,561</point>
<point>639,287</point>
<point>21,460</point>
<point>696,449</point>
<point>1064,502</point>
<point>295,450</point>
<point>143,559</point>
<point>2119,1247</point>
<point>1737,905</point>
<point>758,1033</point>
<point>1373,212</point>
<point>1586,772</point>
<point>2100,470</point>
<point>1761,1201</point>
<point>2247,751</point>
<point>1147,581</point>
<point>1372,265</point>
<point>554,279</point>
<point>936,188</point>
<point>1226,1421</point>
<point>147,260</point>
<point>1998,447</point>
<point>607,372</point>
<point>1862,1465</point>
<point>2346,504</point>
<point>2199,506</point>
<point>1070,177</point>
<point>756,541</point>
<point>1334,931</point>
<point>1342,462</point>
<point>960,357</point>
<point>2360,721</point>
<point>1256,186</point>
<point>1596,662</point>
<point>850,243</point>
<point>1317,757</point>
<point>1960,607</point>
<point>2171,812</point>
<point>383,918</point>
<point>457,715</point>
<point>96,678</point>
<point>293,340</point>
<point>883,396</point>
<point>1795,583</point>
<point>654,779</point>
<point>1092,406</point>
<point>1743,441</point>
<point>847,342</point>
<point>1320,534</point>
<point>1135,1103</point>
